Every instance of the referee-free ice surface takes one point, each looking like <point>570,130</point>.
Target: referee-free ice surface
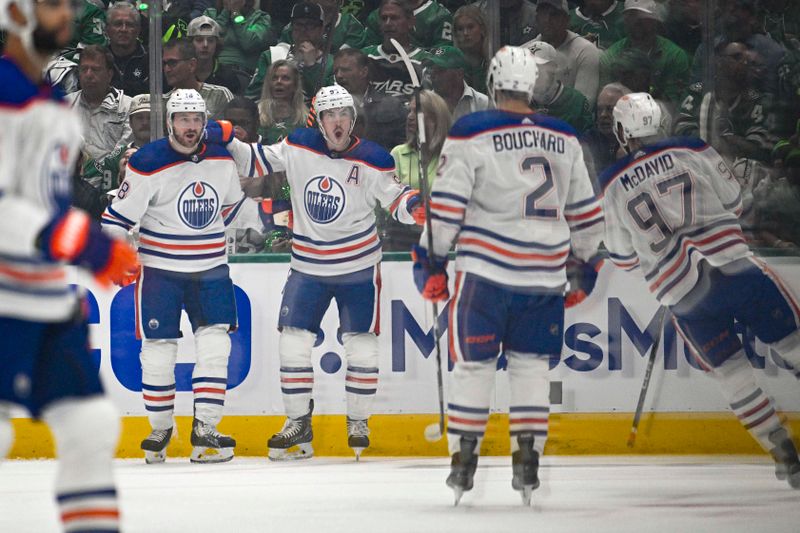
<point>383,495</point>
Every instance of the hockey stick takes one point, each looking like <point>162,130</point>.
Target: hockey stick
<point>646,384</point>
<point>433,432</point>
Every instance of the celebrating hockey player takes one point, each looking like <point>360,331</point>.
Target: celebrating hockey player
<point>337,180</point>
<point>181,192</point>
<point>513,192</point>
<point>672,210</point>
<point>45,363</point>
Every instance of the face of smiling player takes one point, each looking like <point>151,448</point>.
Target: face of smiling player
<point>336,125</point>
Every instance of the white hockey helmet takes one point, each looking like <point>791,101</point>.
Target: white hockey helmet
<point>185,101</point>
<point>636,115</point>
<point>512,69</point>
<point>333,97</point>
<point>7,24</point>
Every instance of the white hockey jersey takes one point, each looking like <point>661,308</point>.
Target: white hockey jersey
<point>668,206</point>
<point>181,203</point>
<point>514,190</point>
<point>39,144</point>
<point>334,196</point>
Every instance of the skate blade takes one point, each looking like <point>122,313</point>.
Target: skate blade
<point>153,458</point>
<point>527,492</point>
<point>358,451</point>
<point>202,454</point>
<point>458,492</point>
<point>298,452</point>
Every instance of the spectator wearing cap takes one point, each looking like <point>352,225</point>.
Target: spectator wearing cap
<point>390,85</point>
<point>108,171</point>
<point>103,109</point>
<point>446,68</point>
<point>580,59</point>
<point>247,32</point>
<point>670,63</point>
<point>471,36</point>
<point>179,61</point>
<point>517,20</point>
<point>351,71</point>
<point>598,21</point>
<point>433,24</point>
<point>131,60</point>
<point>550,95</point>
<point>343,29</point>
<point>204,33</point>
<point>307,52</point>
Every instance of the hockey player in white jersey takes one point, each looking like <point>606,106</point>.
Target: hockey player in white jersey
<point>45,362</point>
<point>181,192</point>
<point>513,192</point>
<point>672,210</point>
<point>336,180</point>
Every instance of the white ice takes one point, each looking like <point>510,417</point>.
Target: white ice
<point>601,494</point>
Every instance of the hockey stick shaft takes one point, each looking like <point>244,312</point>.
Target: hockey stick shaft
<point>425,193</point>
<point>646,383</point>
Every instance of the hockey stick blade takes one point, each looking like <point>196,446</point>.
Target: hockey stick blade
<point>646,383</point>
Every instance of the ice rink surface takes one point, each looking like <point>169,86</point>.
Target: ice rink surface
<point>598,494</point>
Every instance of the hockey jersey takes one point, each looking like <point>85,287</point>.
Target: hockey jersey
<point>334,196</point>
<point>514,191</point>
<point>669,206</point>
<point>182,204</point>
<point>39,144</point>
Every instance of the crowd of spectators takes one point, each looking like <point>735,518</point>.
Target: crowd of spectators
<point>735,84</point>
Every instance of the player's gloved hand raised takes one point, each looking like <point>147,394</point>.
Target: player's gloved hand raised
<point>430,276</point>
<point>582,277</point>
<point>417,210</point>
<point>219,132</point>
<point>276,214</point>
<point>73,237</point>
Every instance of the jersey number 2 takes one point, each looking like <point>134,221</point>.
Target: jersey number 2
<point>652,217</point>
<point>532,207</point>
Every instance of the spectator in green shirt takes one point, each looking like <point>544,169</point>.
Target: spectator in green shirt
<point>247,32</point>
<point>670,63</point>
<point>598,21</point>
<point>471,36</point>
<point>433,24</point>
<point>347,30</point>
<point>282,107</point>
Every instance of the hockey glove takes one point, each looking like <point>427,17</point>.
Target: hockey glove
<point>416,210</point>
<point>276,214</point>
<point>430,277</point>
<point>74,238</point>
<point>582,277</point>
<point>219,132</point>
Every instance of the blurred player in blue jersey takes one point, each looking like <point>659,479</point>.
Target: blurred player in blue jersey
<point>182,193</point>
<point>512,191</point>
<point>672,212</point>
<point>337,180</point>
<point>45,362</point>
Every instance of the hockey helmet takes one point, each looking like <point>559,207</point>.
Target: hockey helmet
<point>512,69</point>
<point>636,115</point>
<point>333,97</point>
<point>7,24</point>
<point>185,101</point>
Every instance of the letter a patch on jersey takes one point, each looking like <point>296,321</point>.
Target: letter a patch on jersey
<point>353,176</point>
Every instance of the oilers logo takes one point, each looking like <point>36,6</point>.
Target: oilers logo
<point>324,199</point>
<point>198,205</point>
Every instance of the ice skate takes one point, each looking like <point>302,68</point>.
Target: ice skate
<point>209,445</point>
<point>155,446</point>
<point>787,464</point>
<point>357,435</point>
<point>462,468</point>
<point>525,468</point>
<point>294,440</point>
